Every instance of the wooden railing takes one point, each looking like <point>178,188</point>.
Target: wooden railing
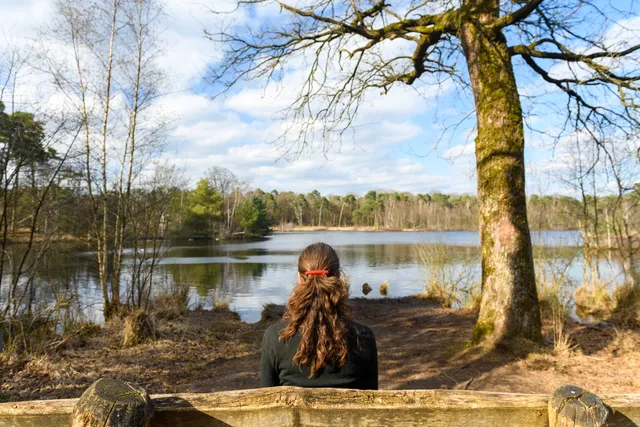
<point>120,404</point>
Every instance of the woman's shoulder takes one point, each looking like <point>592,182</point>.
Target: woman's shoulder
<point>270,339</point>
<point>362,331</point>
<point>274,329</point>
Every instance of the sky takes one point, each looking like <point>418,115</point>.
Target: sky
<point>405,140</point>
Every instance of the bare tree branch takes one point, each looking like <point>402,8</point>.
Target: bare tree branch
<point>518,15</point>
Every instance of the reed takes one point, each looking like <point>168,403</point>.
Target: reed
<point>450,280</point>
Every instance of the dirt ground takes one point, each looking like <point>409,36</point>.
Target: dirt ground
<point>420,346</point>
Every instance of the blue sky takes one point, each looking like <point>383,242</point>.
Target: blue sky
<point>401,142</point>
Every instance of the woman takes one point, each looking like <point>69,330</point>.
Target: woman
<point>317,344</point>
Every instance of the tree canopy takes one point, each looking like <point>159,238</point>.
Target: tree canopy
<point>344,49</point>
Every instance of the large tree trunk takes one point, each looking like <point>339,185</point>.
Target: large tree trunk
<point>509,306</point>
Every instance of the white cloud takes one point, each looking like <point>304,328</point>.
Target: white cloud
<point>359,167</point>
<point>261,103</point>
<point>187,51</point>
<point>234,132</point>
<point>458,151</point>
<point>20,19</point>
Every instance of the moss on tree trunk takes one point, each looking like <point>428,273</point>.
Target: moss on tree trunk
<point>509,306</point>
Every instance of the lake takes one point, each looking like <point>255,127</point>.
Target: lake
<point>249,274</point>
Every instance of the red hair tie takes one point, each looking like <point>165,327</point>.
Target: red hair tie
<point>316,272</point>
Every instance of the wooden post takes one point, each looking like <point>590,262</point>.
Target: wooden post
<point>112,403</point>
<point>572,406</point>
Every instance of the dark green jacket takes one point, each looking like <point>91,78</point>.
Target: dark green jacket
<point>359,372</point>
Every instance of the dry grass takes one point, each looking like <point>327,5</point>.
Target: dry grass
<point>540,362</point>
<point>220,304</point>
<point>211,346</point>
<point>593,301</point>
<point>552,277</point>
<point>451,283</point>
<point>40,365</point>
<point>346,281</point>
<point>550,296</point>
<point>626,342</point>
<point>384,288</point>
<point>421,346</point>
<point>139,327</point>
<point>272,313</point>
<point>563,344</point>
<point>627,306</point>
<point>366,288</point>
<point>172,304</point>
<point>35,336</point>
<point>75,336</point>
<point>473,302</point>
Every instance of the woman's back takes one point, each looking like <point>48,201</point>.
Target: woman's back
<point>360,370</point>
<point>318,344</point>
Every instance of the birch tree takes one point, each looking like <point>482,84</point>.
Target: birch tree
<point>102,57</point>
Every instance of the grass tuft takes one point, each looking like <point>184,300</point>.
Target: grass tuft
<point>220,304</point>
<point>172,304</point>
<point>627,306</point>
<point>563,344</point>
<point>139,327</point>
<point>384,288</point>
<point>593,301</point>
<point>626,342</point>
<point>272,312</point>
<point>540,362</point>
<point>448,280</point>
<point>473,302</point>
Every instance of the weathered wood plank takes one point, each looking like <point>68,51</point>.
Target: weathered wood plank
<point>292,406</point>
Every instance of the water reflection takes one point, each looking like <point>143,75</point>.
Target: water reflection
<point>229,278</point>
<point>250,274</point>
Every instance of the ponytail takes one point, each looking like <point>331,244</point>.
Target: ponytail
<point>318,308</point>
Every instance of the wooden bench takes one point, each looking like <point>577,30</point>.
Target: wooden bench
<point>293,406</point>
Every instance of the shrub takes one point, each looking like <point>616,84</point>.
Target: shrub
<point>474,301</point>
<point>272,313</point>
<point>554,284</point>
<point>220,304</point>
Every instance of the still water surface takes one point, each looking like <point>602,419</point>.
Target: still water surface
<point>248,275</point>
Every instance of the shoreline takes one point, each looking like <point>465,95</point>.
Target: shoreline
<point>420,346</point>
<point>298,229</point>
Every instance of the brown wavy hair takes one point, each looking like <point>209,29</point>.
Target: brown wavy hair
<point>318,308</point>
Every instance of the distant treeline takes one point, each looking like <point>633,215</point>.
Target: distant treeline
<point>402,210</point>
<point>222,204</point>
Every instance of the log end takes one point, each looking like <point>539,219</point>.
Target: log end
<point>574,406</point>
<point>114,403</point>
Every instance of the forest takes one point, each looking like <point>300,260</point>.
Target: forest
<point>47,194</point>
